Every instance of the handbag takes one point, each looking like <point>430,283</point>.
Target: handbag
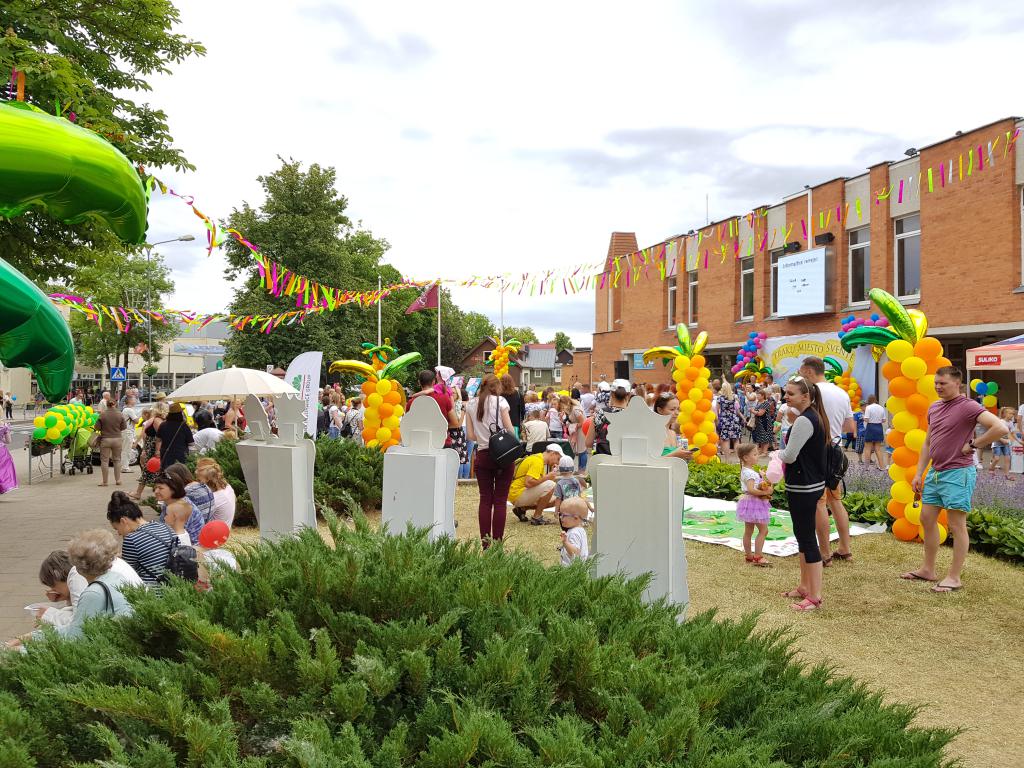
<point>504,446</point>
<point>94,440</point>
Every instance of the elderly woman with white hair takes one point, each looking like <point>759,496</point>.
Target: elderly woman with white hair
<point>92,554</point>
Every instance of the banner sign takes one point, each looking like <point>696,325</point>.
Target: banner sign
<point>784,353</point>
<point>304,374</point>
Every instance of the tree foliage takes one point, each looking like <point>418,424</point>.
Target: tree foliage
<point>91,58</point>
<point>392,651</point>
<point>562,341</point>
<point>524,333</point>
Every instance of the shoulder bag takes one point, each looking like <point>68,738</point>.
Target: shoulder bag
<point>504,446</point>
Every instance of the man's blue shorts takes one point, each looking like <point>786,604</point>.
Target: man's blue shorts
<point>950,488</point>
<point>1000,449</point>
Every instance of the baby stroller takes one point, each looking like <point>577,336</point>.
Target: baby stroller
<point>79,454</point>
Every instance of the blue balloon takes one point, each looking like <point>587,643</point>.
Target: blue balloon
<point>841,334</point>
<point>981,389</point>
<point>874,316</point>
<point>753,334</point>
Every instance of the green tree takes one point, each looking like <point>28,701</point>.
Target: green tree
<point>561,341</point>
<point>525,334</point>
<point>91,58</point>
<point>120,278</point>
<point>478,327</point>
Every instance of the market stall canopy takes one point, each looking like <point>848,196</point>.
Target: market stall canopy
<point>232,382</point>
<point>1007,355</point>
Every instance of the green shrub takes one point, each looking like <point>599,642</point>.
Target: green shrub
<point>993,531</point>
<point>391,651</point>
<point>345,475</point>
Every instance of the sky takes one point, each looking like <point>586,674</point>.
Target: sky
<point>484,139</point>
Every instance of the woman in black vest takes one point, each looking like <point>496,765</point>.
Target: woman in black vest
<point>804,457</point>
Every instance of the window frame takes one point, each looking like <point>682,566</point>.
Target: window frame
<point>773,273</point>
<point>692,297</point>
<point>896,256</point>
<point>744,271</point>
<point>672,301</point>
<point>850,248</point>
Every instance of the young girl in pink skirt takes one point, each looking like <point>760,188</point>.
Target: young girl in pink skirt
<point>753,508</point>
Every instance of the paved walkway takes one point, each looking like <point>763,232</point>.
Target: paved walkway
<point>35,520</point>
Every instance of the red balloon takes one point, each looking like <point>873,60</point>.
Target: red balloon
<point>587,424</point>
<point>153,465</point>
<point>214,534</point>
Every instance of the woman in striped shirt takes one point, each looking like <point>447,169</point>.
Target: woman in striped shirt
<point>144,546</point>
<point>804,457</point>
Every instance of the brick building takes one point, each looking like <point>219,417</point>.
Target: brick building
<point>953,252</point>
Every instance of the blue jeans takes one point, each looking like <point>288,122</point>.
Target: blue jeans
<point>583,455</point>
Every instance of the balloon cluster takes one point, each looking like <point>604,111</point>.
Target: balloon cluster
<point>383,395</point>
<point>61,421</point>
<point>501,356</point>
<point>911,375</point>
<point>987,392</point>
<point>748,352</point>
<point>850,322</point>
<point>834,372</point>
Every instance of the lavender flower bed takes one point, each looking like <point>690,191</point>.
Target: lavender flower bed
<point>993,491</point>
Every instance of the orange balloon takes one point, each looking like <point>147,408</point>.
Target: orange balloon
<point>698,361</point>
<point>901,386</point>
<point>938,362</point>
<point>689,430</point>
<point>692,373</point>
<point>369,434</point>
<point>395,386</point>
<point>911,473</point>
<point>895,508</point>
<point>708,395</point>
<point>891,370</point>
<point>928,348</point>
<point>386,409</point>
<point>904,457</point>
<point>904,530</point>
<point>944,519</point>
<point>713,438</point>
<point>894,439</point>
<point>700,458</point>
<point>369,387</point>
<point>392,398</point>
<point>917,404</point>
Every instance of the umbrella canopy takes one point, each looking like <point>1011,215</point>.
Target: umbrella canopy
<point>232,382</point>
<point>1006,355</point>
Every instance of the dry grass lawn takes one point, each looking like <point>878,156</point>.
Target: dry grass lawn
<point>958,655</point>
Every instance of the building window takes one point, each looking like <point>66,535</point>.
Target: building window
<point>747,288</point>
<point>775,256</point>
<point>558,374</point>
<point>671,302</point>
<point>908,256</point>
<point>860,265</point>
<point>691,297</point>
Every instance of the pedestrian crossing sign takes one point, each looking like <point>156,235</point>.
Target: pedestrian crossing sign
<point>119,374</point>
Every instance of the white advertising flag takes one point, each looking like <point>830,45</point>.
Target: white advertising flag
<point>304,374</point>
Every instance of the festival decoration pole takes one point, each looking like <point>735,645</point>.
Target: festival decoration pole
<point>696,419</point>
<point>378,312</point>
<point>914,357</point>
<point>438,327</point>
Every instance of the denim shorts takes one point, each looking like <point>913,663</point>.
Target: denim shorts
<point>950,488</point>
<point>1000,449</point>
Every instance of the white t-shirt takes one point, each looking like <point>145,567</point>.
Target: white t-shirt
<point>587,403</point>
<point>483,429</point>
<point>747,474</point>
<point>224,505</point>
<point>578,538</point>
<point>837,407</point>
<point>206,439</point>
<point>61,617</point>
<point>874,414</point>
<point>220,558</point>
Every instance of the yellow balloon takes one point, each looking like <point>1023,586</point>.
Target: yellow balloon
<point>926,387</point>
<point>682,362</point>
<point>677,374</point>
<point>399,410</point>
<point>712,415</point>
<point>897,473</point>
<point>707,427</point>
<point>383,435</point>
<point>38,421</point>
<point>905,421</point>
<point>391,422</point>
<point>896,405</point>
<point>701,383</point>
<point>989,401</point>
<point>914,439</point>
<point>975,383</point>
<point>53,434</point>
<point>383,387</point>
<point>687,407</point>
<point>899,350</point>
<point>372,444</point>
<point>902,492</point>
<point>374,401</point>
<point>88,409</point>
<point>699,439</point>
<point>695,395</point>
<point>705,373</point>
<point>913,367</point>
<point>942,533</point>
<point>913,513</point>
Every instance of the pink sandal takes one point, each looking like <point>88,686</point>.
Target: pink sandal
<point>807,604</point>
<point>796,592</point>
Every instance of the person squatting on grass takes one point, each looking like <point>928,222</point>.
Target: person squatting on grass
<point>949,484</point>
<point>753,508</point>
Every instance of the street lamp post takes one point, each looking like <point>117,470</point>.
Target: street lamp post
<point>149,289</point>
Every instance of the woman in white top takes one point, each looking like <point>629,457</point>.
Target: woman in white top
<point>485,415</point>
<point>874,432</point>
<point>65,584</point>
<point>210,474</point>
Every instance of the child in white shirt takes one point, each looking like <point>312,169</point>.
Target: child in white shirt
<point>574,535</point>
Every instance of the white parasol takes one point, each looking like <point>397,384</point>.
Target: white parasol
<point>232,382</point>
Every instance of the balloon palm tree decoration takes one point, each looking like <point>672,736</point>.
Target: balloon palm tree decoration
<point>385,398</point>
<point>914,357</point>
<point>755,369</point>
<point>379,354</point>
<point>696,419</point>
<point>845,381</point>
<point>503,356</point>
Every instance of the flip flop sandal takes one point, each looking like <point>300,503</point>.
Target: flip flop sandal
<point>844,558</point>
<point>539,521</point>
<point>942,589</point>
<point>760,562</point>
<point>826,562</point>
<point>914,576</point>
<point>807,604</point>
<point>795,592</point>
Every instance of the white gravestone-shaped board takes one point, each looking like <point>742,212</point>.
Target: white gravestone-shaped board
<point>639,497</point>
<point>420,474</point>
<point>278,470</point>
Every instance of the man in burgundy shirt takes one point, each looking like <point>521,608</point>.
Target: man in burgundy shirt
<point>443,400</point>
<point>949,484</point>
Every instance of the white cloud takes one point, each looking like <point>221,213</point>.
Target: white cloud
<point>479,138</point>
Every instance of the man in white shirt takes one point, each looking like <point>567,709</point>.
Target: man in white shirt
<point>840,421</point>
<point>131,415</point>
<point>587,399</point>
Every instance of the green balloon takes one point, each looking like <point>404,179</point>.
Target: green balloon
<point>992,388</point>
<point>50,420</point>
<point>39,433</point>
<point>69,170</point>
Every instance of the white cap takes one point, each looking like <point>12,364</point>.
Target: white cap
<point>566,464</point>
<point>556,448</point>
<point>621,384</point>
<point>604,386</point>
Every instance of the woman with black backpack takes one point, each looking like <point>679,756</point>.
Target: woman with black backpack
<point>487,420</point>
